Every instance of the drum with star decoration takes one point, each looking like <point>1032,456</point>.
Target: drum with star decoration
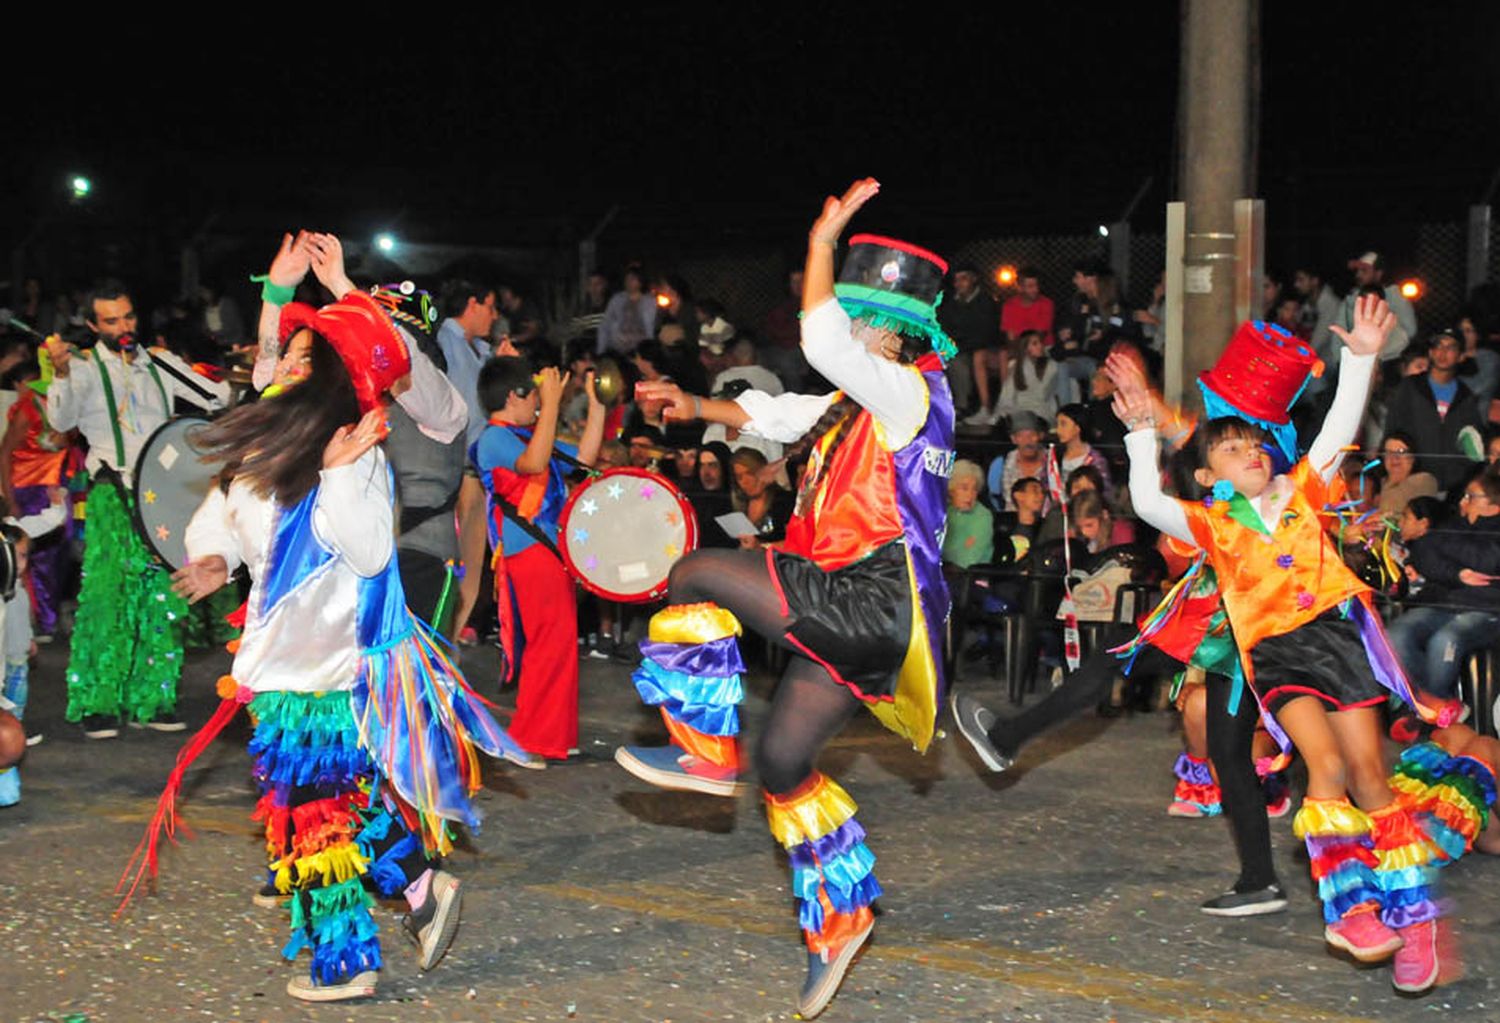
<point>621,532</point>
<point>170,483</point>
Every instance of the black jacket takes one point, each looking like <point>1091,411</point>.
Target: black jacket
<point>1440,555</point>
<point>1413,409</point>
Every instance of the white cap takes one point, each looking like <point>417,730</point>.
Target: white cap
<point>1372,258</point>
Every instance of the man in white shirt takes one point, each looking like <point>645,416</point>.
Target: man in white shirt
<point>127,645</point>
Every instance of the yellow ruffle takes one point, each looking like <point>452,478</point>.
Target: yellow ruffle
<point>1415,854</point>
<point>820,811</point>
<point>693,623</point>
<point>329,866</point>
<point>1322,817</point>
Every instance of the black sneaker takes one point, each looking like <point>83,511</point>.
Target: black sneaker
<point>1270,899</point>
<point>974,722</point>
<point>269,898</point>
<point>100,726</point>
<point>603,649</point>
<point>433,924</point>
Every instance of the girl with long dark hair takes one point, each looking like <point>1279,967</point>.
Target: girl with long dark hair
<point>366,736</point>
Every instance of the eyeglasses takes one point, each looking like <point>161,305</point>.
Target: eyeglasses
<point>1396,453</point>
<point>1472,495</point>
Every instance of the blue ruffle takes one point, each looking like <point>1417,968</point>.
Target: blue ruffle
<point>1407,879</point>
<point>706,705</point>
<point>1351,885</point>
<point>718,658</point>
<point>862,894</point>
<point>1194,772</point>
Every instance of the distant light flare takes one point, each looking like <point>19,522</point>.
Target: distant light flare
<point>662,301</point>
<point>81,186</point>
<point>386,243</point>
<point>1412,289</point>
<point>1006,276</point>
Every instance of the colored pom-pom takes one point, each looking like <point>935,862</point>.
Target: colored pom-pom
<point>1285,561</point>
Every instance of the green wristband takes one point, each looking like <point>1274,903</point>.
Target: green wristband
<point>276,294</point>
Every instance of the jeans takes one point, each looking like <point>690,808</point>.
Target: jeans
<point>1075,368</point>
<point>1433,644</point>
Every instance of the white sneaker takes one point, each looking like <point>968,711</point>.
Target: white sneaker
<point>980,418</point>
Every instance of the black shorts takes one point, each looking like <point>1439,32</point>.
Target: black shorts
<point>855,621</point>
<point>1324,658</point>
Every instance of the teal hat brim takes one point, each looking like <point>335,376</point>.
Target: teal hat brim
<point>892,310</point>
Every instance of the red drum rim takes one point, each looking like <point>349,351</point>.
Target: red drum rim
<point>689,519</point>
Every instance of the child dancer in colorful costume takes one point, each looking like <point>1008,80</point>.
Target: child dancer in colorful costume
<point>359,714</point>
<point>1304,620</point>
<point>855,593</point>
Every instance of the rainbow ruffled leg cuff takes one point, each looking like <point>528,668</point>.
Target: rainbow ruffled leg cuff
<point>1272,780</point>
<point>691,669</point>
<point>832,868</point>
<point>1342,854</point>
<point>1195,785</point>
<point>1451,796</point>
<point>310,769</point>
<point>1404,870</point>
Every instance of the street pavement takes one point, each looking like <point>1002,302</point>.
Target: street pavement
<point>1059,891</point>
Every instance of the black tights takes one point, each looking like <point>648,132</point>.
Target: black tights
<point>809,707</point>
<point>1230,738</point>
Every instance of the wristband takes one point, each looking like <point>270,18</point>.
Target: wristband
<point>697,407</point>
<point>276,294</point>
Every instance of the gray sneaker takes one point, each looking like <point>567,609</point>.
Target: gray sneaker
<point>433,924</point>
<point>974,722</point>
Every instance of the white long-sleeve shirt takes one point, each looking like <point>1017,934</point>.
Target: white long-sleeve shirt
<point>1153,506</point>
<point>307,641</point>
<point>895,394</point>
<point>77,401</point>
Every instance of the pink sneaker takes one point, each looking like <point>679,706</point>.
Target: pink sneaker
<point>1184,808</point>
<point>1416,966</point>
<point>1280,807</point>
<point>1364,937</point>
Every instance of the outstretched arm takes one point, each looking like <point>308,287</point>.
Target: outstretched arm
<point>288,267</point>
<point>1136,408</point>
<point>1372,321</point>
<point>823,239</point>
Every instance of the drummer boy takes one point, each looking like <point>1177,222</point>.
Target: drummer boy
<point>126,648</point>
<point>527,487</point>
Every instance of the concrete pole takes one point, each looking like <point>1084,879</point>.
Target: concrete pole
<point>1217,107</point>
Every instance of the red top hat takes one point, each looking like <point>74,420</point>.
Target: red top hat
<point>359,330</point>
<point>1262,372</point>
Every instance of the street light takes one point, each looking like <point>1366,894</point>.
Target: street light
<point>1005,276</point>
<point>1411,289</point>
<point>81,186</point>
<point>385,242</point>
<point>1103,231</point>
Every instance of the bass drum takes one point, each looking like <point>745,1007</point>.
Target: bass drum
<point>621,532</point>
<point>170,483</point>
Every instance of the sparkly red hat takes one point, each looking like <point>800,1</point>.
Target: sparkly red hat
<point>1261,373</point>
<point>359,330</point>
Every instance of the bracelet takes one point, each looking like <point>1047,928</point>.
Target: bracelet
<point>697,407</point>
<point>276,294</point>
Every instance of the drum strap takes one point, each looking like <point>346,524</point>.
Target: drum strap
<point>528,527</point>
<point>114,409</point>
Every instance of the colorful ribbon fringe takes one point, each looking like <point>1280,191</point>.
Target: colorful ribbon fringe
<point>832,869</point>
<point>1450,796</point>
<point>1404,869</point>
<point>1343,856</point>
<point>1196,785</point>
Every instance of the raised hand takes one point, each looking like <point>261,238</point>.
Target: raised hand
<point>349,443</point>
<point>290,264</point>
<point>199,579</point>
<point>58,351</point>
<point>1133,404</point>
<point>549,386</point>
<point>838,211</point>
<point>327,255</point>
<point>1373,322</point>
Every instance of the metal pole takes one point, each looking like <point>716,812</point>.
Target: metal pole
<point>1217,103</point>
<point>1249,259</point>
<point>1171,327</point>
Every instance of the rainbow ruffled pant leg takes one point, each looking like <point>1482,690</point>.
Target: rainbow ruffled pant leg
<point>1404,868</point>
<point>1195,787</point>
<point>1342,852</point>
<point>1450,796</point>
<point>393,851</point>
<point>832,868</point>
<point>691,669</point>
<point>310,766</point>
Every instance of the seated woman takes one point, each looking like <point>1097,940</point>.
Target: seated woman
<point>1029,385</point>
<point>766,505</point>
<point>1094,523</point>
<point>1074,450</point>
<point>1403,480</point>
<point>970,536</point>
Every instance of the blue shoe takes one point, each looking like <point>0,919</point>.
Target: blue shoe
<point>668,767</point>
<point>10,787</point>
<point>824,978</point>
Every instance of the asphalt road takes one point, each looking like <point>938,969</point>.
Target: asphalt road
<point>1059,891</point>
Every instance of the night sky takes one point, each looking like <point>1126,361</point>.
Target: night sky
<point>712,123</point>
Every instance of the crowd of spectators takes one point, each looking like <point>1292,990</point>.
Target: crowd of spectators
<point>1041,453</point>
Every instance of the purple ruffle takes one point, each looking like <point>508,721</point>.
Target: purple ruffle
<point>1324,845</point>
<point>1194,772</point>
<point>834,844</point>
<point>718,658</point>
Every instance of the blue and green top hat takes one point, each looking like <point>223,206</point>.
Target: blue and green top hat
<point>895,286</point>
